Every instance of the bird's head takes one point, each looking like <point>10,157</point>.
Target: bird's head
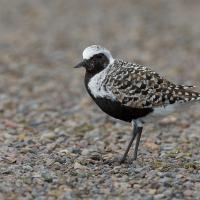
<point>95,59</point>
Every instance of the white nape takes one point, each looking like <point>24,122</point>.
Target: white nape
<point>90,51</point>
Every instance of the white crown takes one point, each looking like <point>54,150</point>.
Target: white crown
<point>90,51</point>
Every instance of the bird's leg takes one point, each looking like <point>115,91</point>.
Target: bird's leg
<point>137,142</point>
<point>137,131</point>
<point>134,133</point>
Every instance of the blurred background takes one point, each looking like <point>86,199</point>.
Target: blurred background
<point>42,40</point>
<point>44,108</point>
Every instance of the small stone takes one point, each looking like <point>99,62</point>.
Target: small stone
<point>61,160</point>
<point>184,124</point>
<point>95,156</point>
<point>138,169</point>
<point>188,192</point>
<point>159,196</point>
<point>151,145</point>
<point>11,124</point>
<point>78,166</point>
<point>168,120</point>
<point>27,168</point>
<point>66,152</point>
<point>47,177</point>
<point>197,185</point>
<point>85,152</point>
<point>48,136</point>
<point>152,191</point>
<point>76,150</point>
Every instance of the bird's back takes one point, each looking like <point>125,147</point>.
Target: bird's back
<point>140,87</point>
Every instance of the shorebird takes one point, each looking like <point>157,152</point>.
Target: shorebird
<point>129,91</point>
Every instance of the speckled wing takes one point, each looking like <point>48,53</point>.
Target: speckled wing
<point>139,87</point>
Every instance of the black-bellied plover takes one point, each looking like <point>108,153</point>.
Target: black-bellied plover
<point>128,91</point>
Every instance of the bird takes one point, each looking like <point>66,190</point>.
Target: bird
<point>130,92</point>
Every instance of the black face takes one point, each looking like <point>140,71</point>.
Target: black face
<point>95,64</point>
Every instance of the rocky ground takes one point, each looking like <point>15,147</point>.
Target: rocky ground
<point>54,142</point>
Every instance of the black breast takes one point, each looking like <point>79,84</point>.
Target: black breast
<point>116,109</point>
<point>119,111</point>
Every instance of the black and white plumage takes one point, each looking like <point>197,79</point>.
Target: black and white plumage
<point>128,91</point>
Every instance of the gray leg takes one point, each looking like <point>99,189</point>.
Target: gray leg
<point>137,142</point>
<point>137,131</point>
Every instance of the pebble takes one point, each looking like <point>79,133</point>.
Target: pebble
<point>47,177</point>
<point>168,120</point>
<point>79,166</point>
<point>188,192</point>
<point>159,196</point>
<point>55,143</point>
<point>48,136</point>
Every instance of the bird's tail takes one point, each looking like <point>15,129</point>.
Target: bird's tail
<point>184,97</point>
<point>185,94</point>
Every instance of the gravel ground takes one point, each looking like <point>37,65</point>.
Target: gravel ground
<point>54,142</point>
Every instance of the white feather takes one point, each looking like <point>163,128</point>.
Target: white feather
<point>96,49</point>
<point>97,88</point>
<point>165,110</point>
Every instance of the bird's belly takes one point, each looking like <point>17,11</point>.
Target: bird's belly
<point>119,111</point>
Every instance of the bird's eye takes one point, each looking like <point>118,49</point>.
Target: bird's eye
<point>90,67</point>
<point>100,56</point>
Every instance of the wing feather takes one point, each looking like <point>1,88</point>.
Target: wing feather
<point>140,87</point>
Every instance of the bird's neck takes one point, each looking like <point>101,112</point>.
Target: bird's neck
<point>89,76</point>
